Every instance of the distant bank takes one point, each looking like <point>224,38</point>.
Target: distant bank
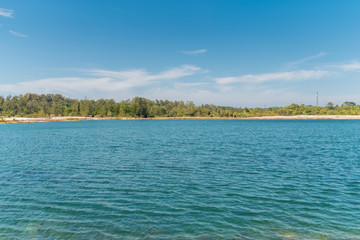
<point>60,119</point>
<point>43,107</point>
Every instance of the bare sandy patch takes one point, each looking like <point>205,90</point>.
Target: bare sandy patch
<point>58,119</point>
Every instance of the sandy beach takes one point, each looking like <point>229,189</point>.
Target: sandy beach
<point>58,119</point>
<point>49,119</point>
<point>309,117</point>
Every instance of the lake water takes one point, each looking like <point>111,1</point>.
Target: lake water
<point>180,179</point>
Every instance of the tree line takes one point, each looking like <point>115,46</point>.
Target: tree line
<point>48,105</point>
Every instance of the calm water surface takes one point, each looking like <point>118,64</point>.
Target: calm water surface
<point>180,179</point>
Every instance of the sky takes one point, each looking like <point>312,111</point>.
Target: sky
<point>236,53</point>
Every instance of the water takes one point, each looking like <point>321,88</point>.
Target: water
<point>180,179</point>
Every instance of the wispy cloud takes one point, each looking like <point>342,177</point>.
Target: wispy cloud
<point>140,77</point>
<point>6,12</point>
<point>279,76</point>
<point>196,52</point>
<point>232,96</point>
<point>18,34</point>
<point>306,59</point>
<point>191,84</point>
<point>97,80</point>
<point>355,65</point>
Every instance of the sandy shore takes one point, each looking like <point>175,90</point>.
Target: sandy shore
<point>57,119</point>
<point>277,117</point>
<point>49,119</point>
<point>310,117</point>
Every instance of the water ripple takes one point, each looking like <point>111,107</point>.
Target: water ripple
<point>275,179</point>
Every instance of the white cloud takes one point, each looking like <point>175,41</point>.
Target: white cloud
<point>18,34</point>
<point>191,84</point>
<point>99,82</point>
<point>306,59</point>
<point>280,76</point>
<point>355,65</point>
<point>170,84</point>
<point>140,77</point>
<point>194,52</point>
<point>232,97</point>
<point>6,12</point>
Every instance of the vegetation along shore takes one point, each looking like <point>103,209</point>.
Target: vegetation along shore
<point>55,107</point>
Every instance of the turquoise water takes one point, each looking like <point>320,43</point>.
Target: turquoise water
<point>180,179</point>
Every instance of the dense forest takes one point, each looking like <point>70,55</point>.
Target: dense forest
<point>47,105</point>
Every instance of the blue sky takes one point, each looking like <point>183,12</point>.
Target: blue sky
<point>238,53</point>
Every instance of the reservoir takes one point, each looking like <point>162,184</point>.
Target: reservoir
<point>180,179</point>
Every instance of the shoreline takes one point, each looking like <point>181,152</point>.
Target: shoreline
<point>63,119</point>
